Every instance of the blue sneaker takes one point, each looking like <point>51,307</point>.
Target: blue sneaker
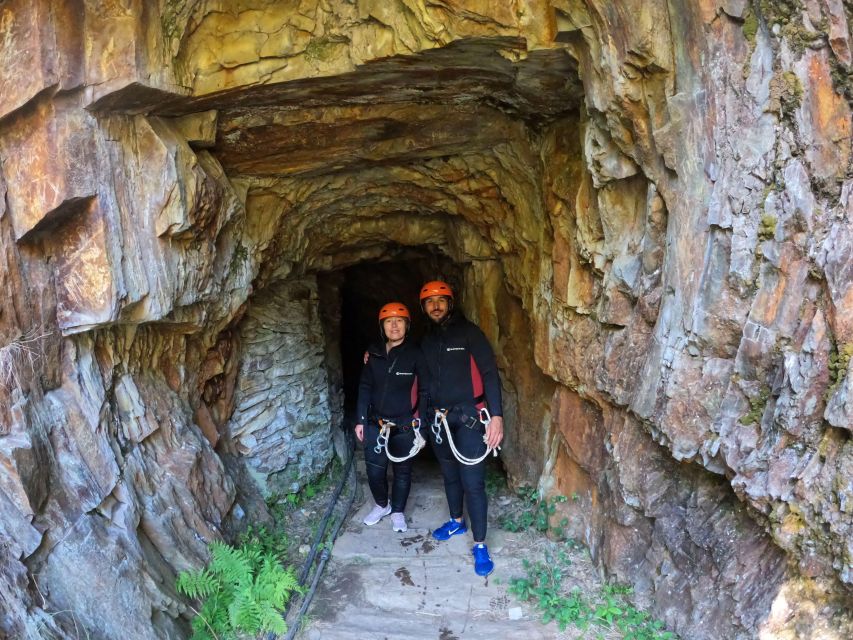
<point>449,529</point>
<point>483,564</point>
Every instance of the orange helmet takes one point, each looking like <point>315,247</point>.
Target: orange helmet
<point>394,310</point>
<point>436,288</point>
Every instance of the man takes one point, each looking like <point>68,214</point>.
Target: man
<point>463,381</point>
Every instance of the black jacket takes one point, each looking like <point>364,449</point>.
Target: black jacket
<point>449,349</point>
<point>392,383</point>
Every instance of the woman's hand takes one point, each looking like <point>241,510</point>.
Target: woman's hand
<point>359,432</point>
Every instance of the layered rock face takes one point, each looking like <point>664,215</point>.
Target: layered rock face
<point>648,206</point>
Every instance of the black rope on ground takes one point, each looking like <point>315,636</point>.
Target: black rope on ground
<point>309,561</point>
<point>306,568</point>
<point>324,557</point>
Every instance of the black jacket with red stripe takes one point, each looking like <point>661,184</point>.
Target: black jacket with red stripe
<point>393,385</point>
<point>462,366</point>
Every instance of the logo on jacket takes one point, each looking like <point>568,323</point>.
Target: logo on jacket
<point>405,373</point>
<point>455,348</point>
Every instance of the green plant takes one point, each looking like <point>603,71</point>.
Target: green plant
<point>270,542</point>
<point>543,585</point>
<point>767,227</point>
<point>757,405</point>
<point>495,481</point>
<point>839,360</point>
<point>750,26</point>
<point>535,513</point>
<point>243,590</point>
<point>239,257</point>
<point>278,503</point>
<point>323,48</point>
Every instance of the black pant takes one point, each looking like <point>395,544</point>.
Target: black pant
<point>462,480</point>
<point>399,444</point>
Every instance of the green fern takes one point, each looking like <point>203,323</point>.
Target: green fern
<point>243,589</point>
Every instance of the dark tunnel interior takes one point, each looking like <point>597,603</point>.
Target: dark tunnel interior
<point>366,287</point>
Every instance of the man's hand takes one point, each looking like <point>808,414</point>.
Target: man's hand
<point>359,432</point>
<point>366,356</point>
<point>494,432</point>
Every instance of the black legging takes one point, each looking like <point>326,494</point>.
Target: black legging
<point>462,480</point>
<point>399,443</point>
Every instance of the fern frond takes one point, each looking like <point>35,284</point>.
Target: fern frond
<point>243,612</point>
<point>244,591</point>
<point>197,584</point>
<point>271,619</point>
<point>253,556</point>
<point>230,563</point>
<point>274,583</point>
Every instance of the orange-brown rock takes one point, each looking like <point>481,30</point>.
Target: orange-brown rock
<point>646,206</point>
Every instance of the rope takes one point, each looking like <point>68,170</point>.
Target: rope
<point>441,419</point>
<point>384,433</point>
<point>348,478</point>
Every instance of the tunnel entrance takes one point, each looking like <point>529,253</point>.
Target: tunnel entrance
<point>365,287</point>
<point>360,187</point>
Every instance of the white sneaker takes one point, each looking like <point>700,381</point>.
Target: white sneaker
<point>398,522</point>
<point>376,514</point>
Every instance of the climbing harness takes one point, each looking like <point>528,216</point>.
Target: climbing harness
<point>385,432</point>
<point>441,420</point>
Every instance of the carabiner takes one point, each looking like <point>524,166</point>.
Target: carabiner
<point>436,427</point>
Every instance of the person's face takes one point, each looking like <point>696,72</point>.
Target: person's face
<point>394,328</point>
<point>436,308</point>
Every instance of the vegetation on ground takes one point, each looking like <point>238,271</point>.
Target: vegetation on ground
<point>535,513</point>
<point>243,590</point>
<point>558,588</point>
<point>608,609</point>
<point>280,505</point>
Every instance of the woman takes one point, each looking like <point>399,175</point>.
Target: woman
<point>392,388</point>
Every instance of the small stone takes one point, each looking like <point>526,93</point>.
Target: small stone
<point>515,613</point>
<point>304,549</point>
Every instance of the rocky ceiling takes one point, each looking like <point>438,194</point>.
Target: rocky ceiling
<point>396,136</point>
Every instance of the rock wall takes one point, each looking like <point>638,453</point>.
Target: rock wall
<point>282,422</point>
<point>652,204</point>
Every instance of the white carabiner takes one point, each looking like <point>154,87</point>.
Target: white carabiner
<point>417,443</point>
